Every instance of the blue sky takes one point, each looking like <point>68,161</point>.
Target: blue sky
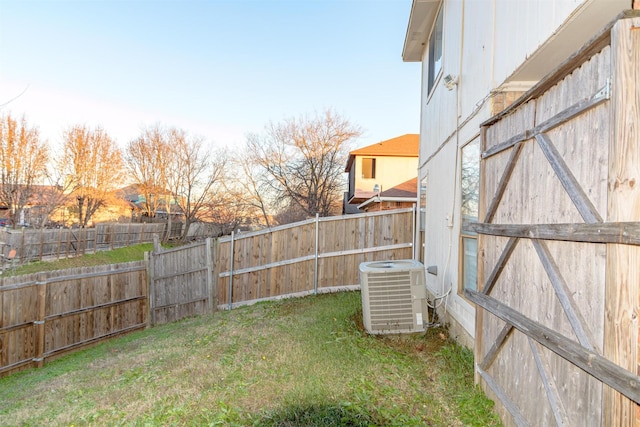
<point>217,68</point>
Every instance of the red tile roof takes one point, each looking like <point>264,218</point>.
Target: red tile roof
<point>407,145</point>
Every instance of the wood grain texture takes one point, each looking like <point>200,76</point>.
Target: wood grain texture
<point>286,259</point>
<point>622,293</point>
<point>573,200</point>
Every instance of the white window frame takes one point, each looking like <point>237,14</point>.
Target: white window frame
<point>468,238</point>
<point>435,51</point>
<point>372,168</point>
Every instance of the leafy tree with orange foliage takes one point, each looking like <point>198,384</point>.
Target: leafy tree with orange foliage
<point>94,167</point>
<point>23,164</point>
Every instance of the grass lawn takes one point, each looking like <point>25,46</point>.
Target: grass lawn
<point>296,362</point>
<point>115,256</point>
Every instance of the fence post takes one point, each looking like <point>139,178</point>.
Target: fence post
<point>22,252</point>
<point>156,243</point>
<point>209,273</point>
<point>39,323</point>
<point>315,266</point>
<point>214,271</point>
<point>41,244</point>
<point>147,291</point>
<point>230,296</point>
<point>149,259</point>
<point>414,231</point>
<point>59,242</point>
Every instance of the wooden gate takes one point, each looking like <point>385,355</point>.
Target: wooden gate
<point>559,254</point>
<point>180,281</point>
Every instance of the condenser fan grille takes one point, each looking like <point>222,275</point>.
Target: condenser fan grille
<point>390,301</point>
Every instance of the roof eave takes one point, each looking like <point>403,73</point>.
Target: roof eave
<point>421,19</point>
<point>378,199</point>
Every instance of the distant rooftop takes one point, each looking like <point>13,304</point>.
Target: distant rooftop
<point>407,145</point>
<point>406,189</point>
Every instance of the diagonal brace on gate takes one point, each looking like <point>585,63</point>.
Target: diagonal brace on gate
<point>597,366</point>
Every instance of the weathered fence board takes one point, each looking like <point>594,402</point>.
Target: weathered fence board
<point>309,255</point>
<point>558,247</point>
<point>181,282</point>
<point>38,244</point>
<point>54,312</point>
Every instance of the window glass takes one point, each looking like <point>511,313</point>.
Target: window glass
<point>470,181</point>
<point>422,218</point>
<point>470,263</point>
<point>469,192</point>
<point>435,52</point>
<point>368,168</point>
<point>423,204</point>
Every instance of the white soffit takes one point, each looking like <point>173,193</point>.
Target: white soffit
<point>585,23</point>
<point>421,18</point>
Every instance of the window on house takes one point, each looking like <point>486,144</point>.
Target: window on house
<point>423,204</point>
<point>435,52</point>
<point>368,168</point>
<point>470,192</point>
<point>422,218</point>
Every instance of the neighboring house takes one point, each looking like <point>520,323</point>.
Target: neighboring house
<point>138,204</point>
<point>38,209</point>
<point>401,196</point>
<point>379,167</point>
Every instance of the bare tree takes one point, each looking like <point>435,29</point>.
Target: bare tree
<point>250,181</point>
<point>94,167</point>
<point>191,174</point>
<point>147,160</point>
<point>304,161</point>
<point>230,210</point>
<point>23,162</point>
<point>289,214</point>
<point>470,180</point>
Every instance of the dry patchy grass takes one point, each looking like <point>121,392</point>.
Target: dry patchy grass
<point>293,362</point>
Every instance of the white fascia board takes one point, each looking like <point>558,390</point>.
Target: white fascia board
<point>421,19</point>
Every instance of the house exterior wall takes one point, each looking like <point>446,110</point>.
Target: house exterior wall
<point>485,44</point>
<point>390,171</point>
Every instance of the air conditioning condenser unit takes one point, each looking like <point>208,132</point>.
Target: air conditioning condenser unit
<point>393,296</point>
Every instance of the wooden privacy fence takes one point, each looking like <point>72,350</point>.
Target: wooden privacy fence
<point>309,256</point>
<point>48,314</point>
<point>559,245</point>
<point>181,281</point>
<point>37,244</point>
